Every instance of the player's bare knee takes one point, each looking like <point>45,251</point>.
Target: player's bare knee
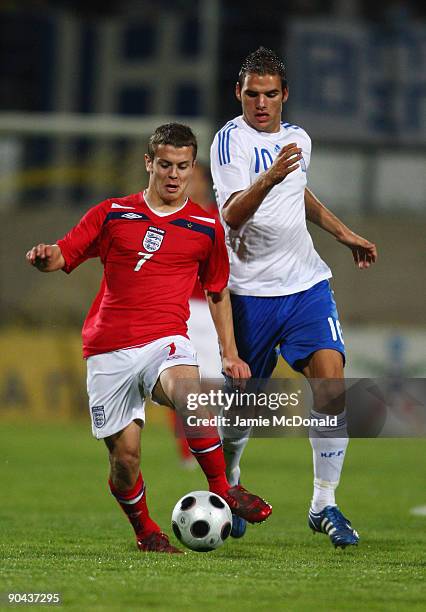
<point>184,405</point>
<point>180,391</point>
<point>329,395</point>
<point>325,363</point>
<point>181,402</point>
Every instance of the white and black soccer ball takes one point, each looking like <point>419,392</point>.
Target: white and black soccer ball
<point>202,520</point>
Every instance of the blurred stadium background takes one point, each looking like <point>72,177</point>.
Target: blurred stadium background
<point>82,86</point>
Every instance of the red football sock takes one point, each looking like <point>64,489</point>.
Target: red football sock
<point>133,503</point>
<point>209,454</point>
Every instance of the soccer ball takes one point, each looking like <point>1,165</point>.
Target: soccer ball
<point>202,520</point>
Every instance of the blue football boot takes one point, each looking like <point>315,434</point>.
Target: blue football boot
<point>332,522</point>
<point>239,526</point>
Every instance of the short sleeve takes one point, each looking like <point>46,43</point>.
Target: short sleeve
<point>306,146</point>
<point>82,241</point>
<point>230,163</point>
<point>214,271</point>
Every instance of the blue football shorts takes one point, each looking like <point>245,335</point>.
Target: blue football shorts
<point>294,325</point>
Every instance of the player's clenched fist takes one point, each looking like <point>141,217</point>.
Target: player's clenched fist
<point>238,370</point>
<point>46,257</point>
<point>285,162</point>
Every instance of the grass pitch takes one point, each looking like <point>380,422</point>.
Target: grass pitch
<point>61,531</point>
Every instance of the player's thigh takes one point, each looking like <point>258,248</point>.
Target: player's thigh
<point>177,383</point>
<point>314,327</point>
<point>167,366</point>
<point>113,390</point>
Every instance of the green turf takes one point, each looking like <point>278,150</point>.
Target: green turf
<point>61,530</point>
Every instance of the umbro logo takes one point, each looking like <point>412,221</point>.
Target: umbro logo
<point>132,216</point>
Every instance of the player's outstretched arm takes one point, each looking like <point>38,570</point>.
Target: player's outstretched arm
<point>364,252</point>
<point>220,310</point>
<point>243,204</point>
<point>46,257</point>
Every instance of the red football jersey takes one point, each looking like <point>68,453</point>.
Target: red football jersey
<point>197,292</point>
<point>151,263</point>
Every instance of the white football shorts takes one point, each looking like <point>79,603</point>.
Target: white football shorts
<point>118,382</point>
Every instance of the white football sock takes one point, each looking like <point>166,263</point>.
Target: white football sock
<point>233,449</point>
<point>328,447</point>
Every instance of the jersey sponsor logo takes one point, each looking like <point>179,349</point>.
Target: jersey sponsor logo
<point>132,216</point>
<point>153,238</point>
<point>98,415</point>
<point>115,205</point>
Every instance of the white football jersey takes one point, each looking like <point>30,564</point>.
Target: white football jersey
<point>272,253</point>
